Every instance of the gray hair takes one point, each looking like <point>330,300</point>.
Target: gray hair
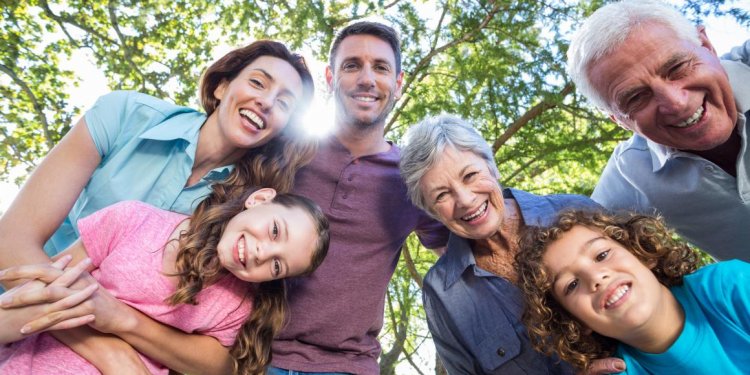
<point>605,31</point>
<point>425,144</point>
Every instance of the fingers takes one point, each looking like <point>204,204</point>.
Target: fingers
<point>47,273</point>
<point>48,294</point>
<point>71,274</point>
<point>66,313</point>
<point>606,366</point>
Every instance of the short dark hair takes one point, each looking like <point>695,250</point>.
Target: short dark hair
<point>231,64</point>
<point>379,30</point>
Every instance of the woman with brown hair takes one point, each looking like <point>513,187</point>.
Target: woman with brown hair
<point>131,146</point>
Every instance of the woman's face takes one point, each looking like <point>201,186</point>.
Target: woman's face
<point>257,104</point>
<point>462,193</point>
<point>267,241</point>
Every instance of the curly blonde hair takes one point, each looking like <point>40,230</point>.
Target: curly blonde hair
<point>198,266</point>
<point>551,328</point>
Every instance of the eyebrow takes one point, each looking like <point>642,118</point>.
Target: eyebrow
<point>586,246</point>
<point>674,59</point>
<point>460,173</point>
<point>270,78</point>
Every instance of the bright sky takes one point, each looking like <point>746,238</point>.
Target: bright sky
<point>724,34</point>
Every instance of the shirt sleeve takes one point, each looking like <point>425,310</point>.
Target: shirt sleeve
<point>614,191</point>
<point>740,53</point>
<point>727,286</point>
<point>107,118</point>
<point>105,228</point>
<point>455,358</point>
<point>432,234</point>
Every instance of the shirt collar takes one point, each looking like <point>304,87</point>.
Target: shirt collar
<point>535,211</point>
<point>739,75</point>
<point>186,125</point>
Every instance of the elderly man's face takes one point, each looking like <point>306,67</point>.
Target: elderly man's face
<point>668,90</point>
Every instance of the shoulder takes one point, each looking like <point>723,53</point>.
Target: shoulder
<point>128,101</point>
<point>720,274</point>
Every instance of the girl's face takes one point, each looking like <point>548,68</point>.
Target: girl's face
<point>463,194</point>
<point>267,241</point>
<point>257,104</point>
<point>603,284</point>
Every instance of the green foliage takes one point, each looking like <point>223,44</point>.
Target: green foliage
<point>500,64</point>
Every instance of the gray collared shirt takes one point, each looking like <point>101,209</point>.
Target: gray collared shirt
<point>475,316</point>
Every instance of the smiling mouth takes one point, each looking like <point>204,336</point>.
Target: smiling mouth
<point>241,249</point>
<point>253,118</point>
<point>692,120</point>
<point>482,209</point>
<point>620,292</point>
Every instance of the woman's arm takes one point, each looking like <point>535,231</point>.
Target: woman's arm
<point>46,198</point>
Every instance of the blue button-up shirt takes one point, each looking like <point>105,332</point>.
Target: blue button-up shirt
<point>147,148</point>
<point>475,315</point>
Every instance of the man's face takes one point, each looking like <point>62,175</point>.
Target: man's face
<point>668,90</point>
<point>364,80</point>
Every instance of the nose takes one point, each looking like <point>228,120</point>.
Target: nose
<point>263,252</point>
<point>597,279</point>
<point>671,98</point>
<point>264,102</point>
<point>464,197</point>
<point>366,78</point>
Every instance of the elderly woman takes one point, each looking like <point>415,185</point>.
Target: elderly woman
<point>473,305</point>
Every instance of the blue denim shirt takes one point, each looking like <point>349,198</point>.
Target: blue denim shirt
<point>475,316</point>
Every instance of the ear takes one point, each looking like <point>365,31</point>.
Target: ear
<point>260,196</point>
<point>705,43</point>
<point>219,92</point>
<point>651,263</point>
<point>399,85</point>
<point>329,78</point>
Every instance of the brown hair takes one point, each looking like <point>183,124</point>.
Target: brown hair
<point>551,328</point>
<point>274,163</point>
<point>198,266</point>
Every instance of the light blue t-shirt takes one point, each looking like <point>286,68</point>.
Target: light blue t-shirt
<point>147,148</point>
<point>716,335</point>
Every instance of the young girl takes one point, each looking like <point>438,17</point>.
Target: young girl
<point>192,273</point>
<point>597,284</point>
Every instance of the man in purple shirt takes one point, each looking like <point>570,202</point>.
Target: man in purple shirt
<point>336,314</point>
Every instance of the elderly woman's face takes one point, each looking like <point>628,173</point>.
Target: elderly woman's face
<point>462,193</point>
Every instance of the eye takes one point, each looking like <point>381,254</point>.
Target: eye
<point>349,66</point>
<point>602,255</point>
<point>284,105</point>
<point>382,68</point>
<point>571,287</point>
<point>469,176</point>
<point>276,268</point>
<point>257,83</point>
<point>274,231</point>
<point>441,196</point>
<point>679,70</point>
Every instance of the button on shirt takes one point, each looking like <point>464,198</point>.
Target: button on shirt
<point>475,316</point>
<point>147,148</point>
<point>706,205</point>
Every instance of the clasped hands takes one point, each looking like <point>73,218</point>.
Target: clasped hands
<point>56,297</point>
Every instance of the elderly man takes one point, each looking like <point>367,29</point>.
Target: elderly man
<point>657,75</point>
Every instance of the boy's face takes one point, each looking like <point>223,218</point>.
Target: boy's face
<point>604,285</point>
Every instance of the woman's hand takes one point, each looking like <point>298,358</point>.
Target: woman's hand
<point>605,366</point>
<point>43,302</point>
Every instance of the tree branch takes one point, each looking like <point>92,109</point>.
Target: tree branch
<point>38,110</point>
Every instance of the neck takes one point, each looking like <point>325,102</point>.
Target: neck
<point>662,330</point>
<point>362,141</point>
<point>212,150</point>
<point>724,155</point>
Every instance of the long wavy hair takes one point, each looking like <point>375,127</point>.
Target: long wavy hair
<point>198,266</point>
<point>551,328</point>
<point>274,163</point>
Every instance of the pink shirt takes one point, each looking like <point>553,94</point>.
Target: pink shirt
<point>125,243</point>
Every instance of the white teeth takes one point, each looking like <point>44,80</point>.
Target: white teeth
<point>364,98</point>
<point>475,215</point>
<point>692,119</point>
<point>254,119</point>
<point>617,295</point>
<point>241,250</point>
